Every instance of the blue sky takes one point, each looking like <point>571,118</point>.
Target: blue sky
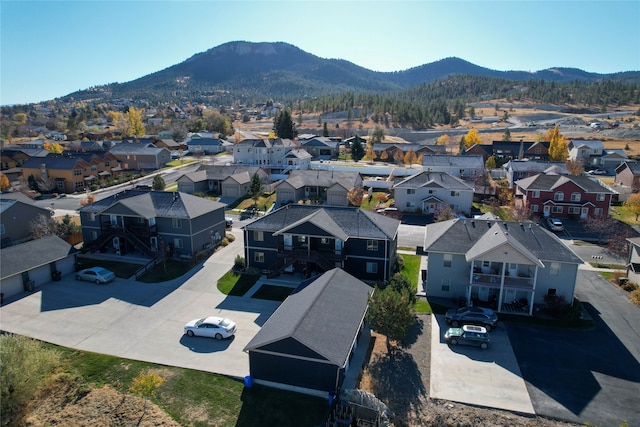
<point>49,49</point>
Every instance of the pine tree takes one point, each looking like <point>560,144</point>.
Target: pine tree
<point>357,150</point>
<point>283,125</point>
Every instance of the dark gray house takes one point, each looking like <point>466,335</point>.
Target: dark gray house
<point>15,220</point>
<point>153,222</point>
<point>307,344</point>
<point>314,238</point>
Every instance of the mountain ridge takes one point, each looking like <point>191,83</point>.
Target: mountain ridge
<point>282,70</point>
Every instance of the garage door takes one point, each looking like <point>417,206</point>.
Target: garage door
<point>230,191</point>
<point>336,199</point>
<point>285,195</point>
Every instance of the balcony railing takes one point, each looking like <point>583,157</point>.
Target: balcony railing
<point>493,280</point>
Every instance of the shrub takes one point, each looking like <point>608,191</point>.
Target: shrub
<point>616,276</point>
<point>399,263</point>
<point>231,238</point>
<point>225,242</point>
<point>556,305</point>
<point>635,297</point>
<point>238,263</point>
<point>629,286</point>
<point>24,366</point>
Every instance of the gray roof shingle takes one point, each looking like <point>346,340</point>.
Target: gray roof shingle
<point>309,316</point>
<point>340,221</point>
<point>34,253</point>
<point>460,236</point>
<point>428,179</point>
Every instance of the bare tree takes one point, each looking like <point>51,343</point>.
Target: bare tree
<point>43,226</point>
<point>45,184</point>
<point>574,166</point>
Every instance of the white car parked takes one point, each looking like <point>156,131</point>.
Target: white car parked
<point>212,327</point>
<point>96,274</point>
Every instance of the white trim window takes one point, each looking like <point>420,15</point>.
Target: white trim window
<point>575,197</point>
<point>447,260</point>
<point>177,243</point>
<point>176,222</point>
<point>554,269</point>
<point>258,236</point>
<point>372,245</point>
<point>258,257</point>
<point>559,196</point>
<point>535,194</point>
<point>600,197</point>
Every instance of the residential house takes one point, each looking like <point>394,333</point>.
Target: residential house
<point>324,187</point>
<point>140,156</point>
<point>428,192</point>
<point>169,144</point>
<point>69,173</point>
<point>227,181</point>
<point>389,149</point>
<point>588,152</point>
<point>611,159</point>
<point>12,159</point>
<point>628,174</point>
<point>519,169</point>
<point>465,167</point>
<point>633,260</point>
<point>508,265</point>
<point>504,151</point>
<point>319,238</point>
<point>321,148</point>
<point>563,196</point>
<point>27,265</point>
<point>204,143</point>
<point>297,336</point>
<point>16,216</point>
<point>276,155</point>
<point>85,146</point>
<point>154,223</point>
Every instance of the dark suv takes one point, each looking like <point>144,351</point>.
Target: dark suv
<point>472,316</point>
<point>468,335</point>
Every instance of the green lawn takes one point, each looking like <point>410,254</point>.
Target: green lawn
<point>165,271</point>
<point>411,271</point>
<point>236,284</point>
<point>197,398</point>
<point>273,292</point>
<point>370,204</point>
<point>121,269</point>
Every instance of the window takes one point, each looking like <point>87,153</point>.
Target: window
<point>177,243</point>
<point>140,220</point>
<point>446,260</point>
<point>455,194</point>
<point>600,197</point>
<point>372,267</point>
<point>535,194</point>
<point>556,209</point>
<point>445,285</point>
<point>411,191</point>
<point>575,197</point>
<point>597,211</point>
<point>92,216</point>
<point>574,210</point>
<point>176,222</point>
<point>554,269</point>
<point>534,208</point>
<point>258,256</point>
<point>94,235</point>
<point>410,204</point>
<point>372,245</point>
<point>258,236</point>
<point>94,167</point>
<point>302,239</point>
<point>77,172</point>
<point>559,196</point>
<point>60,185</point>
<point>433,192</point>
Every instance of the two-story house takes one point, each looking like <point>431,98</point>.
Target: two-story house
<point>519,169</point>
<point>428,192</point>
<point>227,181</point>
<point>69,173</point>
<point>389,149</point>
<point>276,155</point>
<point>508,265</point>
<point>465,167</point>
<point>326,187</point>
<point>205,143</point>
<point>563,196</point>
<point>155,223</point>
<point>319,238</point>
<point>15,219</point>
<point>586,151</point>
<point>628,175</point>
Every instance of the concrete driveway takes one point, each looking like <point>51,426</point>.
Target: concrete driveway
<point>143,321</point>
<point>489,378</point>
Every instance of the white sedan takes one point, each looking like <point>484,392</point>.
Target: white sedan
<point>96,274</point>
<point>212,327</point>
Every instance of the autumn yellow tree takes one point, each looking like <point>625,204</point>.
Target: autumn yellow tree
<point>398,156</point>
<point>410,158</point>
<point>52,147</point>
<point>355,196</point>
<point>557,146</point>
<point>632,205</point>
<point>472,137</point>
<point>384,156</point>
<point>370,154</point>
<point>4,182</point>
<point>443,140</point>
<point>574,166</point>
<point>490,163</point>
<point>131,123</point>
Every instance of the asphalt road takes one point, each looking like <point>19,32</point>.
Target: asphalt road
<point>585,376</point>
